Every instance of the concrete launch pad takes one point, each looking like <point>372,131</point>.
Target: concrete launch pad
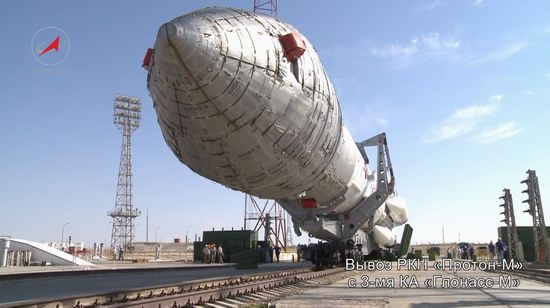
<point>389,284</point>
<point>405,293</point>
<point>59,282</point>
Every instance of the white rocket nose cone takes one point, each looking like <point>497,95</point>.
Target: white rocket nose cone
<point>168,37</point>
<point>186,52</point>
<point>173,30</point>
<point>183,39</point>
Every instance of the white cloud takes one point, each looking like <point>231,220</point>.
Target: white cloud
<point>463,121</point>
<point>449,130</point>
<point>474,112</point>
<point>383,121</point>
<point>431,6</point>
<point>362,117</point>
<point>502,131</point>
<point>478,2</point>
<point>495,98</point>
<point>419,47</point>
<point>395,51</point>
<point>501,54</point>
<point>432,41</point>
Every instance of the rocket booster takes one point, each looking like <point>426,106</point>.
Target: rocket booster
<point>242,99</point>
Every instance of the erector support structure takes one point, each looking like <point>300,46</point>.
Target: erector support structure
<point>271,218</point>
<point>385,182</point>
<point>540,235</point>
<point>343,226</point>
<point>516,249</point>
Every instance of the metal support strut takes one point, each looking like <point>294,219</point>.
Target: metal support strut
<point>364,211</point>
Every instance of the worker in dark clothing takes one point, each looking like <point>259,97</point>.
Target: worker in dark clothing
<point>500,250</point>
<point>270,253</point>
<point>259,253</point>
<point>277,252</point>
<point>492,249</point>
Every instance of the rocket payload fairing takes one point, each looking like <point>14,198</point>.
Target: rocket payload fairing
<point>242,99</point>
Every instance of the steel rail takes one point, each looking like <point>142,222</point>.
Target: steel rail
<point>537,274</point>
<point>184,294</point>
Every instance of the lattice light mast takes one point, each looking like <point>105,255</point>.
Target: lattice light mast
<point>127,118</point>
<point>266,7</point>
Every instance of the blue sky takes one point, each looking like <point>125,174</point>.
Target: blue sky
<point>462,89</point>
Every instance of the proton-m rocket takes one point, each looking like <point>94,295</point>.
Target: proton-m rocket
<point>243,99</point>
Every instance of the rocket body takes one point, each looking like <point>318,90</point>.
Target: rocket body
<point>242,99</point>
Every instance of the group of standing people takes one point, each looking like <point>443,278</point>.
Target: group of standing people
<point>118,254</point>
<point>261,251</point>
<point>212,254</point>
<point>500,249</point>
<point>457,252</point>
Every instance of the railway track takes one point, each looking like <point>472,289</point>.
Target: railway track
<point>540,275</point>
<point>215,292</point>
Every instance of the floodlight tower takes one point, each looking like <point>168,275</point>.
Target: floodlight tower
<point>266,7</point>
<point>127,118</point>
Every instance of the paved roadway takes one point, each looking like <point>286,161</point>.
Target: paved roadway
<point>527,294</point>
<point>18,284</point>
